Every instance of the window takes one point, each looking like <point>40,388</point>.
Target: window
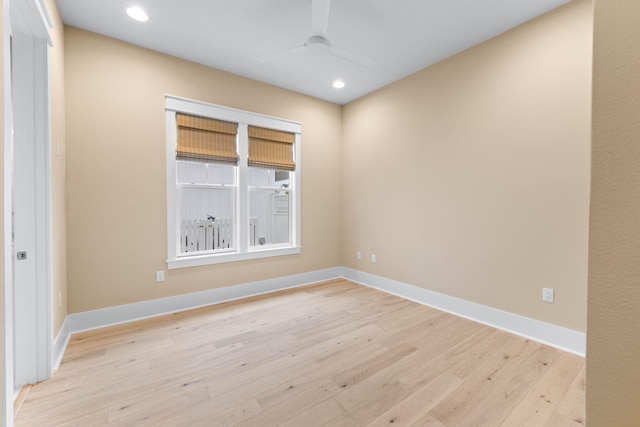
<point>233,180</point>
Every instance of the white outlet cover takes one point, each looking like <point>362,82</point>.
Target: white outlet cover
<point>160,276</point>
<point>547,294</point>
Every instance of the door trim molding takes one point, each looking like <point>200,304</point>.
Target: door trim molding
<point>7,312</point>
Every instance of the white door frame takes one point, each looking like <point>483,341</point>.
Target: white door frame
<point>31,17</point>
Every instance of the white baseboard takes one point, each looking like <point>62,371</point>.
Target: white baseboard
<point>104,317</point>
<point>110,316</point>
<point>556,336</point>
<point>60,345</point>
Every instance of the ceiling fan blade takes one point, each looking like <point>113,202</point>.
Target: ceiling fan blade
<point>320,17</point>
<point>343,53</point>
<point>273,56</point>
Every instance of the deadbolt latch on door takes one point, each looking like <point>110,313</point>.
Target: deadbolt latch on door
<point>21,255</point>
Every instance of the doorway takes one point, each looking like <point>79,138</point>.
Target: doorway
<point>27,253</point>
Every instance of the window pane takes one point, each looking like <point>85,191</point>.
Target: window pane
<point>269,217</point>
<point>206,219</point>
<point>282,178</point>
<point>199,172</point>
<point>191,172</point>
<point>259,177</point>
<point>221,174</point>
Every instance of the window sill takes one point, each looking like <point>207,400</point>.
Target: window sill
<point>198,260</point>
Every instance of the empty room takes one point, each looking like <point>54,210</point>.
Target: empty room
<point>320,212</point>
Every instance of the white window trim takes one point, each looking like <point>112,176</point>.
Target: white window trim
<point>244,118</point>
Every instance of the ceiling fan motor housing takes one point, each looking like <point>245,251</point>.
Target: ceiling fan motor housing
<point>317,45</point>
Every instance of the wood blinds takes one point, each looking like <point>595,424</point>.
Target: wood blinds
<point>206,139</point>
<point>271,149</point>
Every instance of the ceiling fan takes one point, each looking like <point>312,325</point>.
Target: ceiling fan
<point>318,44</point>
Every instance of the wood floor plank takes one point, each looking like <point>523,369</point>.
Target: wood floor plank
<point>418,404</point>
<point>370,366</point>
<point>571,407</point>
<point>427,421</point>
<point>545,395</point>
<point>317,415</point>
<point>513,384</point>
<point>480,382</point>
<point>285,409</point>
<point>332,354</point>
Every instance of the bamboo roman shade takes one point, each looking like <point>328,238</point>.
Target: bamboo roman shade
<point>206,139</point>
<point>271,149</point>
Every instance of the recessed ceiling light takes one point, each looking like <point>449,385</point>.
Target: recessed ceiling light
<point>137,14</point>
<point>338,84</point>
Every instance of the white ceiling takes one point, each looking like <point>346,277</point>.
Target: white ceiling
<point>401,36</point>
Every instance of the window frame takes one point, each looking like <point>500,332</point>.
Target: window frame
<point>243,251</point>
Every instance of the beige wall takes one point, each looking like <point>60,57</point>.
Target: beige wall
<point>116,172</point>
<point>58,169</point>
<point>471,177</point>
<point>613,344</point>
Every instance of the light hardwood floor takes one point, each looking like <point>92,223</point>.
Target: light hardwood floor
<point>334,354</point>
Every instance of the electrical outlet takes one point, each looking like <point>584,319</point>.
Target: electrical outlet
<point>373,259</point>
<point>160,276</point>
<point>359,255</point>
<point>547,294</point>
